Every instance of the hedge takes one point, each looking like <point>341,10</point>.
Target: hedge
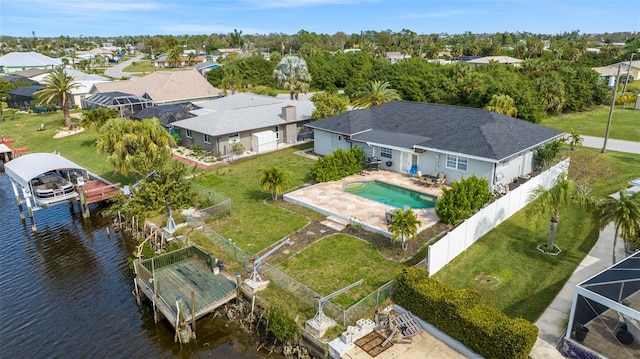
<point>461,315</point>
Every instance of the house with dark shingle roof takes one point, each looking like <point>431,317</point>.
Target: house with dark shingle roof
<point>460,141</point>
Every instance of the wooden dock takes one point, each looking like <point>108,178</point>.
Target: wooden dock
<point>188,273</point>
<point>96,191</point>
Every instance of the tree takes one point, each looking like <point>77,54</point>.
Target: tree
<point>546,153</point>
<point>191,58</point>
<point>465,197</point>
<point>57,88</point>
<point>373,94</point>
<point>275,180</point>
<point>292,73</point>
<point>553,201</point>
<point>502,104</point>
<point>574,139</point>
<point>98,117</point>
<point>404,225</point>
<point>624,212</point>
<point>174,57</point>
<point>327,105</point>
<point>135,146</point>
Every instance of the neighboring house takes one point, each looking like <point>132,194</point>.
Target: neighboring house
<point>162,61</point>
<point>164,87</point>
<point>85,82</point>
<point>499,59</point>
<point>167,114</point>
<point>395,56</point>
<point>632,69</point>
<point>207,66</point>
<point>257,122</point>
<point>459,141</point>
<point>18,79</point>
<point>20,61</point>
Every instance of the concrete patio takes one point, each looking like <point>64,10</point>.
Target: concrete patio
<point>330,199</point>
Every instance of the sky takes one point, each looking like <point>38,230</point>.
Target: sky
<point>111,18</point>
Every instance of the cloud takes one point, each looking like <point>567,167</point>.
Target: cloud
<point>304,3</point>
<point>74,7</point>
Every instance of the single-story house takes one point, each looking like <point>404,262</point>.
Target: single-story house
<point>83,80</point>
<point>255,121</point>
<point>632,69</point>
<point>20,61</point>
<point>126,104</point>
<point>207,66</point>
<point>167,114</point>
<point>459,141</point>
<point>499,59</point>
<point>395,56</point>
<point>164,87</point>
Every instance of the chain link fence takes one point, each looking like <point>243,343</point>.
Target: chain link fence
<point>213,203</point>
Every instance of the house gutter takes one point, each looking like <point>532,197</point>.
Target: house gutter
<point>531,147</point>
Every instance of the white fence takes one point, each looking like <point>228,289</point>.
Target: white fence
<point>467,233</point>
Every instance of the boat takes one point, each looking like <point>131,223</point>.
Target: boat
<point>52,187</point>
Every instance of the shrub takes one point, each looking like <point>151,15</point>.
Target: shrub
<point>338,164</point>
<point>197,149</point>
<point>460,314</point>
<point>281,325</point>
<point>237,148</point>
<point>463,199</point>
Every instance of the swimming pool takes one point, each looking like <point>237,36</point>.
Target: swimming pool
<point>391,195</point>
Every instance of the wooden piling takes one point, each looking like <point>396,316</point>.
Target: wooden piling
<point>193,314</point>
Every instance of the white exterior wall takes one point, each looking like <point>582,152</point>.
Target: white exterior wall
<point>509,170</point>
<point>326,142</point>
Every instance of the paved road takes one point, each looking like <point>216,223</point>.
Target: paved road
<point>613,145</point>
<point>116,71</point>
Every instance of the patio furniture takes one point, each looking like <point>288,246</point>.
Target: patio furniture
<point>632,327</point>
<point>429,182</point>
<point>412,170</point>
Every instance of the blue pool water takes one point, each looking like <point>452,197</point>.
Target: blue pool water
<point>390,195</point>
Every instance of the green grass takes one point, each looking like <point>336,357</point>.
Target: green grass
<point>144,66</point>
<point>79,148</point>
<point>337,261</point>
<point>512,275</point>
<point>625,123</point>
<point>255,223</point>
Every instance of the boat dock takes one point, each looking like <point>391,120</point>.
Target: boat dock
<point>43,180</point>
<point>183,285</point>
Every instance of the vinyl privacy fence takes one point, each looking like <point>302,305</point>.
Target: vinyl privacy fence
<point>467,233</point>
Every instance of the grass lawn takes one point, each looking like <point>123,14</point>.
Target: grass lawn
<point>79,148</point>
<point>337,261</point>
<point>625,123</point>
<point>255,223</point>
<point>505,265</point>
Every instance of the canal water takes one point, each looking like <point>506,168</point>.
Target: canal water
<point>66,292</point>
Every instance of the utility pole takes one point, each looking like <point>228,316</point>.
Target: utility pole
<point>613,102</point>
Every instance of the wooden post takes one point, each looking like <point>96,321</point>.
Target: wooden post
<point>155,291</point>
<point>193,314</point>
<point>83,204</point>
<point>135,282</point>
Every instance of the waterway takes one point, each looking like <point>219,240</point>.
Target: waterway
<point>66,292</point>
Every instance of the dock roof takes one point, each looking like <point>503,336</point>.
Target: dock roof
<point>25,168</point>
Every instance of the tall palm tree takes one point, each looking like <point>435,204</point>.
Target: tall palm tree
<point>373,94</point>
<point>57,88</point>
<point>553,201</point>
<point>275,180</point>
<point>404,225</point>
<point>624,212</point>
<point>292,73</point>
<point>191,58</point>
<point>174,57</point>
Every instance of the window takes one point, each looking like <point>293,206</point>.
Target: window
<point>189,134</point>
<point>456,162</point>
<point>234,138</point>
<point>207,138</point>
<point>385,152</point>
<point>339,138</point>
<point>277,131</point>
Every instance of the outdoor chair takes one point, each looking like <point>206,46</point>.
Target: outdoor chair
<point>429,182</point>
<point>412,170</point>
<point>632,327</point>
<point>434,174</point>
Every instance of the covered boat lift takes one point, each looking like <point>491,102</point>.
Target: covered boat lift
<point>48,179</point>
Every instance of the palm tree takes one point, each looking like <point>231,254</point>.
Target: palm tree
<point>191,58</point>
<point>553,201</point>
<point>57,88</point>
<point>292,73</point>
<point>135,146</point>
<point>375,93</point>
<point>174,57</point>
<point>404,225</point>
<point>624,212</point>
<point>502,104</point>
<point>576,139</point>
<point>275,180</point>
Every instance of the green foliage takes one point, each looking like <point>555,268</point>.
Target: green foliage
<point>460,314</point>
<point>463,199</point>
<point>338,164</point>
<point>275,179</point>
<point>327,105</point>
<point>237,148</point>
<point>404,225</point>
<point>547,153</point>
<point>98,117</point>
<point>282,325</point>
<point>626,99</point>
<point>197,149</point>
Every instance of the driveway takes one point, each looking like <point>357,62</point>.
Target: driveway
<point>116,71</point>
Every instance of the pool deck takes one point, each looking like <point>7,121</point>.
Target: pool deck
<point>330,199</point>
